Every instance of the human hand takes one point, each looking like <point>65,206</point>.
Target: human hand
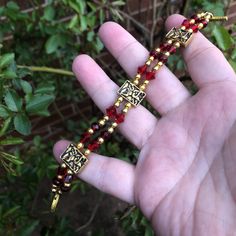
<point>184,179</point>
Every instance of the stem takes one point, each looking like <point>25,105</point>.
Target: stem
<point>47,70</point>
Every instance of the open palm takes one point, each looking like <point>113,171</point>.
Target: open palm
<point>184,180</point>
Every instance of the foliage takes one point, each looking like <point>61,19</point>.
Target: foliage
<point>32,45</point>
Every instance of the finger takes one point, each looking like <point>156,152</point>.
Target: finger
<point>100,173</point>
<point>205,62</point>
<point>139,122</point>
<point>166,91</point>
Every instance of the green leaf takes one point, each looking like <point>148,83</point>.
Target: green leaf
<point>233,55</point>
<point>233,64</point>
<point>11,141</point>
<point>11,211</point>
<point>4,113</point>
<point>45,88</point>
<point>222,36</point>
<point>83,23</point>
<point>39,103</point>
<point>13,6</point>
<point>118,3</point>
<point>73,22</point>
<point>13,101</point>
<point>5,126</point>
<point>54,42</point>
<point>26,86</point>
<point>22,124</point>
<point>6,59</point>
<point>49,13</point>
<point>9,74</point>
<point>28,228</point>
<point>11,158</point>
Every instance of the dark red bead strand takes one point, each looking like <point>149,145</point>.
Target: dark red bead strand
<point>142,69</point>
<point>120,118</point>
<point>150,75</point>
<point>93,146</point>
<point>85,137</point>
<point>111,112</point>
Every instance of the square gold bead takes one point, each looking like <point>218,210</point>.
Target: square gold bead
<point>131,93</point>
<point>74,159</point>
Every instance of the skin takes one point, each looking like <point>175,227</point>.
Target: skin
<point>184,181</point>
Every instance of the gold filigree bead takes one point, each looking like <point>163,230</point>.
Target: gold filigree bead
<point>177,44</point>
<point>167,54</point>
<point>192,21</point>
<point>110,130</point>
<point>80,145</point>
<point>148,62</point>
<point>90,131</point>
<point>158,50</point>
<point>200,26</point>
<point>135,82</point>
<point>87,152</point>
<point>170,41</point>
<point>63,165</point>
<point>106,118</point>
<point>100,140</point>
<point>101,122</point>
<point>114,125</point>
<point>120,99</point>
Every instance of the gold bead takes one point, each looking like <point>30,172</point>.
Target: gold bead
<point>101,122</point>
<point>54,190</point>
<point>117,104</point>
<point>199,15</point>
<point>100,140</point>
<point>125,110</point>
<point>80,145</point>
<point>70,172</point>
<point>90,131</point>
<point>177,44</point>
<point>59,176</point>
<point>160,63</point>
<point>63,165</point>
<point>157,49</point>
<point>142,87</point>
<point>110,130</point>
<point>106,118</point>
<point>200,26</point>
<point>87,152</point>
<point>157,67</point>
<point>66,184</point>
<point>169,41</point>
<point>151,58</point>
<point>190,30</point>
<point>167,54</point>
<point>183,27</point>
<point>148,63</point>
<point>138,76</point>
<point>136,82</point>
<point>146,82</point>
<point>120,99</point>
<point>128,105</point>
<point>192,21</point>
<point>114,125</point>
<point>54,186</point>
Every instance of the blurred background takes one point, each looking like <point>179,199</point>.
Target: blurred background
<point>41,102</point>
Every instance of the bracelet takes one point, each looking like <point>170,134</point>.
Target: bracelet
<point>130,94</point>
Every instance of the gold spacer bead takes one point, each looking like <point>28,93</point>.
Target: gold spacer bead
<point>200,26</point>
<point>136,82</point>
<point>160,63</point>
<point>192,21</point>
<point>146,82</point>
<point>199,15</point>
<point>120,99</point>
<point>157,49</point>
<point>66,184</point>
<point>80,145</point>
<point>70,172</point>
<point>151,58</point>
<point>167,54</point>
<point>117,104</point>
<point>87,152</point>
<point>169,41</point>
<point>177,44</point>
<point>128,105</point>
<point>156,67</point>
<point>54,186</point>
<point>183,27</point>
<point>63,165</point>
<point>90,131</point>
<point>114,125</point>
<point>105,118</point>
<point>125,110</point>
<point>190,30</point>
<point>142,87</point>
<point>138,76</point>
<point>101,122</point>
<point>60,177</point>
<point>110,130</point>
<point>54,190</point>
<point>100,140</point>
<point>148,63</point>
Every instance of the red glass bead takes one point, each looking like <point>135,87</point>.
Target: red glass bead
<point>154,54</point>
<point>105,135</point>
<point>163,58</point>
<point>165,47</point>
<point>150,75</point>
<point>120,118</point>
<point>95,126</point>
<point>194,28</point>
<point>85,137</point>
<point>61,171</point>
<point>68,179</point>
<point>93,146</point>
<point>172,50</point>
<point>186,23</point>
<point>196,18</point>
<point>111,112</point>
<point>56,181</point>
<point>142,69</point>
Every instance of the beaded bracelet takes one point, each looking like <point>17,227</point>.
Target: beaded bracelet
<point>75,157</point>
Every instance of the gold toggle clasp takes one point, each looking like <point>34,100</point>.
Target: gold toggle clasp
<point>55,201</point>
<point>211,17</point>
